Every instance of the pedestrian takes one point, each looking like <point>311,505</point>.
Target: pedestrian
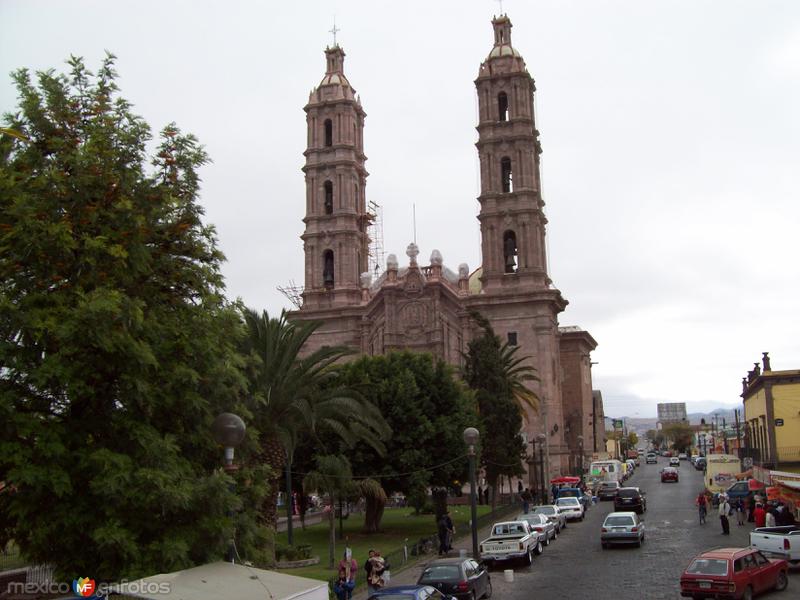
<point>526,500</point>
<point>769,518</point>
<point>346,582</point>
<point>375,567</point>
<point>723,511</point>
<point>759,515</point>
<point>446,529</point>
<point>738,509</point>
<point>702,506</point>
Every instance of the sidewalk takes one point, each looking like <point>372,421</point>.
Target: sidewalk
<point>412,573</point>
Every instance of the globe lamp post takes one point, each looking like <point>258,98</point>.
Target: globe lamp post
<point>228,431</point>
<point>471,437</point>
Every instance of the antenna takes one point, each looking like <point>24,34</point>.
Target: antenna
<point>414,217</point>
<point>501,5</point>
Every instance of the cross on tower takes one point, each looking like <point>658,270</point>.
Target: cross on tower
<point>334,31</point>
<point>500,2</point>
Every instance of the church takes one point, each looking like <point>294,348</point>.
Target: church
<point>425,306</point>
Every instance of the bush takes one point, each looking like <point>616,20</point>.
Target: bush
<point>292,553</point>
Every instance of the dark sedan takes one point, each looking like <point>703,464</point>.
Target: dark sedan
<point>409,592</point>
<point>607,490</point>
<point>460,577</point>
<point>630,498</point>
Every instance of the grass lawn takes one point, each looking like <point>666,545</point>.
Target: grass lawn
<point>397,525</point>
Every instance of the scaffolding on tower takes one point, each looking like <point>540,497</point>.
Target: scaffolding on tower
<point>375,233</point>
<point>293,293</point>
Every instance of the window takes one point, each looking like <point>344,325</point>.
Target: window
<point>506,177</point>
<point>512,338</point>
<point>328,132</point>
<point>327,269</point>
<point>761,560</point>
<point>510,251</point>
<point>502,106</point>
<point>328,198</point>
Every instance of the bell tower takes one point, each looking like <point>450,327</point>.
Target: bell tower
<point>511,217</point>
<point>335,238</point>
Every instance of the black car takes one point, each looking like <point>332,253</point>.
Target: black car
<point>460,577</point>
<point>630,498</point>
<point>607,490</point>
<point>700,463</point>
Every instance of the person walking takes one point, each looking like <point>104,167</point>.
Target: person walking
<point>702,506</point>
<point>526,500</point>
<point>446,529</point>
<point>346,582</point>
<point>723,511</point>
<point>738,506</point>
<point>769,518</point>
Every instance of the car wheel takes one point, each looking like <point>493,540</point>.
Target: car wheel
<point>472,595</point>
<point>781,582</point>
<point>639,544</point>
<point>488,591</point>
<point>529,558</point>
<point>538,549</point>
<point>581,518</point>
<point>555,534</point>
<point>748,593</point>
<point>546,540</point>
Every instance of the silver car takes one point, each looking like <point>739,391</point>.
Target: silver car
<point>622,528</point>
<point>542,524</point>
<point>554,514</point>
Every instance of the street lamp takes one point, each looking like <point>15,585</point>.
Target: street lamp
<point>471,437</point>
<point>580,457</point>
<point>542,440</point>
<point>228,430</point>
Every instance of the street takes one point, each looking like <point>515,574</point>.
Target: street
<point>575,565</point>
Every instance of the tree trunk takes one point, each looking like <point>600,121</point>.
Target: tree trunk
<point>373,513</point>
<point>275,457</point>
<point>331,534</point>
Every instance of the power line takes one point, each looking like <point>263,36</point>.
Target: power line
<point>392,475</point>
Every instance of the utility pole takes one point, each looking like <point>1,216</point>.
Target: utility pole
<point>738,439</point>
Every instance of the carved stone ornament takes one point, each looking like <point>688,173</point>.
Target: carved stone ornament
<point>436,258</point>
<point>391,262</point>
<point>413,283</point>
<point>414,317</point>
<point>463,271</point>
<point>412,252</point>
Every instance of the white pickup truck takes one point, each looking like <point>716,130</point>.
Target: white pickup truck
<point>778,542</point>
<point>511,540</point>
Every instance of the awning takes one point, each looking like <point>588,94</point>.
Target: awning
<point>567,479</point>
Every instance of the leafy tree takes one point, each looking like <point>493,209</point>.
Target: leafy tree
<point>427,410</point>
<point>680,435</point>
<point>294,395</point>
<point>117,349</point>
<point>633,439</point>
<point>498,377</point>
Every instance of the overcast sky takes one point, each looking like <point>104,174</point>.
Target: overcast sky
<point>671,165</point>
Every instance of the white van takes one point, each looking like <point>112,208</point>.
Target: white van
<point>721,471</point>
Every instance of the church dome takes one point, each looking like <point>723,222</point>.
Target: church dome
<point>504,50</point>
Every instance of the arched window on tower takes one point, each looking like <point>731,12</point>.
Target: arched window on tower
<point>510,251</point>
<point>328,132</point>
<point>502,105</point>
<point>327,269</point>
<point>506,177</point>
<point>328,198</point>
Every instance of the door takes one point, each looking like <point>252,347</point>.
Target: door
<point>763,572</point>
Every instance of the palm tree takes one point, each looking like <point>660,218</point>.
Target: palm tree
<point>294,395</point>
<point>517,372</point>
<point>334,478</point>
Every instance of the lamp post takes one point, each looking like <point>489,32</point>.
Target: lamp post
<point>580,457</point>
<point>471,436</point>
<point>228,431</point>
<point>542,439</point>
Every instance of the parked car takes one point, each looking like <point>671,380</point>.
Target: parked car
<point>622,528</point>
<point>607,490</point>
<point>683,456</point>
<point>732,573</point>
<point>778,542</point>
<point>700,463</point>
<point>586,499</point>
<point>554,514</point>
<point>572,507</point>
<point>669,474</point>
<point>462,578</point>
<point>409,592</point>
<point>541,524</point>
<point>674,462</point>
<point>651,459</point>
<point>630,498</point>
<point>631,466</point>
<point>511,540</point>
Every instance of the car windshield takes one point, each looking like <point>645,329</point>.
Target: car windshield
<point>533,518</point>
<point>628,493</point>
<point>609,484</point>
<point>544,510</point>
<point>708,566</point>
<point>509,528</point>
<point>568,493</point>
<point>408,596</point>
<point>441,573</point>
<point>568,502</point>
<point>618,520</point>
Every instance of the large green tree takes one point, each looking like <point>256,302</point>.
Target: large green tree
<point>499,377</point>
<point>293,395</point>
<point>427,410</point>
<point>117,348</point>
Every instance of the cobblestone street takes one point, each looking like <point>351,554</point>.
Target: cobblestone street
<point>576,566</point>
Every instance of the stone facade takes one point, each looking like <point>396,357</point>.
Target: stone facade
<point>426,307</point>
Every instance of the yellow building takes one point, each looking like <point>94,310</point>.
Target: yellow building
<point>772,416</point>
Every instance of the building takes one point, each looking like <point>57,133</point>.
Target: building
<point>671,412</point>
<point>426,307</point>
<point>772,416</point>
